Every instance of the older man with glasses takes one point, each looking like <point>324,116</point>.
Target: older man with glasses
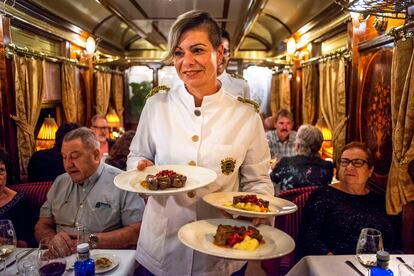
<point>101,130</point>
<point>232,84</point>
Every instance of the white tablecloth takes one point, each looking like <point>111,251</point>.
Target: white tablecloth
<point>335,265</point>
<point>126,262</point>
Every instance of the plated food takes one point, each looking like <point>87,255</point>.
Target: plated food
<point>163,180</point>
<point>105,262</point>
<point>238,237</point>
<point>187,178</point>
<point>102,262</point>
<point>250,204</point>
<point>200,235</point>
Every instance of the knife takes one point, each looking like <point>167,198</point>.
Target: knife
<point>24,255</point>
<point>354,268</point>
<point>407,265</point>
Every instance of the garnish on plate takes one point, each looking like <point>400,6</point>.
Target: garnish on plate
<point>249,203</point>
<point>163,180</point>
<point>103,262</point>
<point>236,237</point>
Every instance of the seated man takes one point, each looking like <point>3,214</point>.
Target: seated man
<point>86,196</point>
<point>101,130</point>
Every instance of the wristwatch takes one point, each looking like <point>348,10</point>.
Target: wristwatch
<point>93,240</point>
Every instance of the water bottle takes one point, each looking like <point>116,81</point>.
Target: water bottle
<point>383,259</point>
<point>84,265</point>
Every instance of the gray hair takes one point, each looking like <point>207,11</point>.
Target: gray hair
<point>86,135</point>
<point>191,20</point>
<point>96,117</point>
<point>309,140</point>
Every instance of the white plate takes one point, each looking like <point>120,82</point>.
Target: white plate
<point>197,177</point>
<point>277,206</point>
<point>199,235</point>
<point>114,259</point>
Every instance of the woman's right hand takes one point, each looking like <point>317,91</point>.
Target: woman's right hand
<point>142,164</point>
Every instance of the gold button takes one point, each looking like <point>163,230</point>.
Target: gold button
<point>192,163</point>
<point>191,194</point>
<point>194,138</point>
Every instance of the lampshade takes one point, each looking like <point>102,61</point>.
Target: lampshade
<point>112,118</point>
<point>323,127</point>
<point>291,46</point>
<point>47,134</point>
<point>90,45</point>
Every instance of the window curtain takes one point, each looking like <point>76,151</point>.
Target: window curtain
<point>332,99</point>
<point>274,95</point>
<point>29,82</point>
<point>400,189</point>
<point>284,91</point>
<point>103,92</point>
<point>118,94</point>
<point>309,93</point>
<point>71,98</point>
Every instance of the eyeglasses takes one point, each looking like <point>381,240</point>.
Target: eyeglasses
<point>101,127</point>
<point>227,52</point>
<point>2,171</point>
<point>357,163</point>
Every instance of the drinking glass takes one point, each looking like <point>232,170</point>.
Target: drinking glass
<point>369,242</point>
<point>82,235</point>
<point>49,262</point>
<point>7,240</point>
<point>23,259</point>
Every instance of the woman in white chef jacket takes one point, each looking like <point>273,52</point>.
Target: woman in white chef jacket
<point>195,123</point>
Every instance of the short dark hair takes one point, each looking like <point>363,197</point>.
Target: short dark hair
<point>284,113</point>
<point>361,146</point>
<point>62,130</point>
<point>225,34</point>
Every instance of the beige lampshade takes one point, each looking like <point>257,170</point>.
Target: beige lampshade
<point>47,134</point>
<point>323,127</point>
<point>112,118</point>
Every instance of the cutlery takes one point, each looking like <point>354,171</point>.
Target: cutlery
<point>354,268</point>
<point>407,265</point>
<point>14,261</point>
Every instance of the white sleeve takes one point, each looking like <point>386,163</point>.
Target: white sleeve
<point>254,172</point>
<point>142,145</point>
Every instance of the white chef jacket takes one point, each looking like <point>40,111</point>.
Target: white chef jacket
<point>170,132</point>
<point>233,86</point>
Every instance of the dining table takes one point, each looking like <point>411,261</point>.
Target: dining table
<point>126,258</point>
<point>335,265</point>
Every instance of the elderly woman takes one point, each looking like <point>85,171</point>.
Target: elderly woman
<point>195,123</point>
<point>13,206</point>
<point>334,215</point>
<point>306,168</point>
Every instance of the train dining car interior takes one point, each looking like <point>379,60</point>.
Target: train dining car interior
<point>342,67</point>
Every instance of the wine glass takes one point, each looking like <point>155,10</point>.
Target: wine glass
<point>7,240</point>
<point>49,261</point>
<point>369,242</point>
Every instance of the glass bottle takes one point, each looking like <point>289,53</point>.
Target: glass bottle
<point>84,265</point>
<point>383,259</point>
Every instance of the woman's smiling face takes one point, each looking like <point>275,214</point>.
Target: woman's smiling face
<point>195,59</point>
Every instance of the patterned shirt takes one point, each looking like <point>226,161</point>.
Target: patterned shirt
<point>279,149</point>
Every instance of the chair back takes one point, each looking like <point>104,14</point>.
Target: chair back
<point>35,192</point>
<point>289,224</point>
